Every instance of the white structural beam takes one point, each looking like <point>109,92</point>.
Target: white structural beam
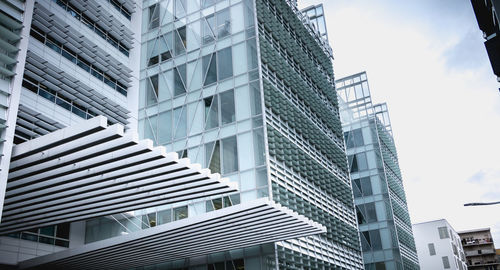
<point>251,223</point>
<point>92,170</point>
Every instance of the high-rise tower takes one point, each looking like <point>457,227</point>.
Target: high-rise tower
<point>246,88</point>
<point>384,222</point>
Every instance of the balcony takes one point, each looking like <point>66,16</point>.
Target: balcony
<point>472,241</point>
<point>480,252</point>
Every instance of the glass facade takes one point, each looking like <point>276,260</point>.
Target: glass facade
<point>382,213</point>
<point>246,89</point>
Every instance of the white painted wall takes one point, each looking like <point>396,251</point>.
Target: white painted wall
<point>427,233</point>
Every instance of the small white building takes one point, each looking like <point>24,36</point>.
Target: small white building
<point>438,246</point>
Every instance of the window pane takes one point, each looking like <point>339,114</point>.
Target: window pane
<point>164,216</point>
<point>432,250</point>
<point>225,59</point>
<point>446,262</point>
<point>180,125</point>
<point>356,188</point>
<point>230,154</point>
<point>212,156</point>
<point>180,212</point>
<point>180,40</point>
<point>443,232</point>
<point>179,79</point>
<point>49,230</point>
<point>165,127</point>
<point>209,69</point>
<point>227,107</point>
<point>371,214</point>
<point>154,16</point>
<point>223,23</point>
<point>211,112</point>
<point>366,186</point>
<point>63,231</point>
<point>376,240</point>
<point>361,159</point>
<point>208,26</point>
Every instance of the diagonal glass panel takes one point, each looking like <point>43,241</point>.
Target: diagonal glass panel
<point>208,26</point>
<point>210,69</point>
<point>211,112</point>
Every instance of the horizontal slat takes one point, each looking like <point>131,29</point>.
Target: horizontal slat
<point>251,223</point>
<point>92,170</point>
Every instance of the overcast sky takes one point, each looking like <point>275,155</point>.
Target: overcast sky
<point>427,60</point>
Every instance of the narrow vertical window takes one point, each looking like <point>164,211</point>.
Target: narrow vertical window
<point>154,16</point>
<point>209,69</point>
<point>180,40</point>
<point>212,156</point>
<point>179,80</point>
<point>432,249</point>
<point>230,154</point>
<point>446,262</point>
<point>152,90</point>
<point>223,23</point>
<point>211,112</point>
<point>227,107</point>
<point>225,63</point>
<point>180,122</point>
<point>208,29</point>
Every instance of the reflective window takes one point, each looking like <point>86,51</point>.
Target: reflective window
<point>366,213</point>
<point>225,63</point>
<point>212,156</point>
<point>354,138</point>
<point>180,212</point>
<point>230,155</point>
<point>208,29</point>
<point>227,155</point>
<point>443,233</point>
<point>209,63</point>
<point>362,187</point>
<point>164,216</point>
<point>223,23</point>
<point>52,235</point>
<point>154,16</point>
<point>211,112</point>
<point>358,162</point>
<point>180,122</point>
<point>227,107</point>
<point>179,80</point>
<point>217,66</point>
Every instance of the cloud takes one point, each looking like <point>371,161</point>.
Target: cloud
<point>477,177</point>
<point>467,53</point>
<point>426,59</point>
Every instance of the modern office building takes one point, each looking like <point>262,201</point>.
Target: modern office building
<point>246,88</point>
<point>242,87</point>
<point>479,249</point>
<point>382,212</point>
<point>439,246</point>
<point>487,17</point>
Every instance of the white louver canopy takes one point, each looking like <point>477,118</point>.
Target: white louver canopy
<point>92,170</point>
<point>247,224</point>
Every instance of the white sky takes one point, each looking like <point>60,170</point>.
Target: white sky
<point>427,60</point>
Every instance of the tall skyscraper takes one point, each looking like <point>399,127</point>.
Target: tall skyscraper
<point>242,87</point>
<point>382,212</point>
<point>246,88</point>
